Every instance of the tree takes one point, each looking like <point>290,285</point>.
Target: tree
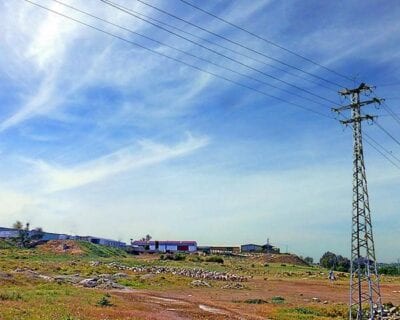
<point>328,260</point>
<point>147,238</point>
<point>26,237</point>
<point>18,225</point>
<point>332,261</point>
<point>309,260</point>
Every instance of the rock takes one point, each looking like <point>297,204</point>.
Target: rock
<point>316,300</point>
<point>5,276</point>
<point>74,279</point>
<point>325,302</point>
<point>200,283</point>
<point>120,275</point>
<point>88,283</point>
<point>392,310</point>
<point>235,285</point>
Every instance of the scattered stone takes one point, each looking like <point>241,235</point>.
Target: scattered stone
<point>74,279</point>
<point>316,299</point>
<point>200,283</point>
<point>5,276</point>
<point>234,285</point>
<point>120,275</point>
<point>88,283</point>
<point>196,273</point>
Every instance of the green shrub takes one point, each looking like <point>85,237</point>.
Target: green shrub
<point>278,299</point>
<point>303,310</point>
<point>195,258</point>
<point>12,296</point>
<point>255,301</point>
<point>215,259</point>
<point>173,257</point>
<point>104,301</point>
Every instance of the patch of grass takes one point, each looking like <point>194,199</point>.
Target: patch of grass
<point>255,301</point>
<point>336,311</point>
<point>215,259</point>
<point>277,300</point>
<point>11,296</point>
<point>173,257</point>
<point>304,310</point>
<point>104,301</point>
<point>96,250</point>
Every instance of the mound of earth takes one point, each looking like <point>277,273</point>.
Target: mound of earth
<point>284,258</point>
<point>62,246</point>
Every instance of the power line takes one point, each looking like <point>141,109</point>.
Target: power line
<point>233,51</point>
<point>179,61</point>
<point>234,42</point>
<point>394,115</point>
<point>202,70</point>
<point>389,84</point>
<point>387,132</point>
<point>368,140</point>
<point>186,52</point>
<point>127,10</point>
<point>266,40</point>
<point>367,136</point>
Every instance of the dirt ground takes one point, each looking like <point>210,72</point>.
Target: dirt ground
<point>37,284</point>
<point>211,303</point>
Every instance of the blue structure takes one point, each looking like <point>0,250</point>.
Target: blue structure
<point>8,233</point>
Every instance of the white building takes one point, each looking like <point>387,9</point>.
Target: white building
<point>166,246</point>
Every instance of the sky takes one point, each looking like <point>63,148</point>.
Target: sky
<point>102,137</point>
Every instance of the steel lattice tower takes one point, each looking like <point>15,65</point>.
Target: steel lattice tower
<point>364,278</point>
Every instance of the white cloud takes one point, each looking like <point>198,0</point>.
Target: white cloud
<point>57,178</point>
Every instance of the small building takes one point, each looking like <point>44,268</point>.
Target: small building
<point>266,248</point>
<point>251,248</point>
<point>166,246</point>
<point>6,233</point>
<point>220,249</point>
<point>47,236</point>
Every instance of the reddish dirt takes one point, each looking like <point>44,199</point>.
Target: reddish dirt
<point>215,303</point>
<point>61,246</point>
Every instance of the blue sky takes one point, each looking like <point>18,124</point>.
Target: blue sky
<point>100,137</point>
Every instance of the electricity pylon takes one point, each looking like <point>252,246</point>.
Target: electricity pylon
<point>364,278</point>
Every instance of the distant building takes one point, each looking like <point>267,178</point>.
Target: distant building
<point>219,249</point>
<point>267,248</point>
<point>7,233</point>
<point>165,246</point>
<point>250,248</point>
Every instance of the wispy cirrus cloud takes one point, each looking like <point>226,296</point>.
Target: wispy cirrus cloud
<point>145,153</point>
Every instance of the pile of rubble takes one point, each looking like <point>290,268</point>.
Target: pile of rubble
<point>102,281</point>
<point>200,283</point>
<point>234,285</point>
<point>391,312</point>
<point>196,273</point>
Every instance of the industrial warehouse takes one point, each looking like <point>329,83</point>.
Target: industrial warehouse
<point>143,246</point>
